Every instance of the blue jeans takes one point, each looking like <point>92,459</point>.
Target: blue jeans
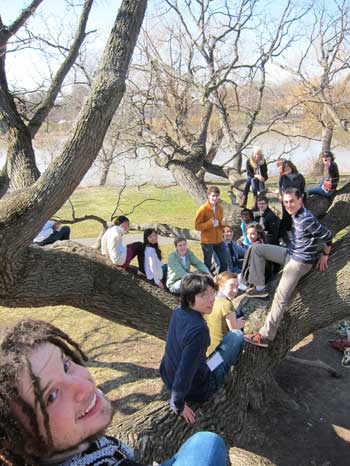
<point>229,349</point>
<point>319,190</point>
<point>201,449</point>
<point>220,250</point>
<point>257,186</point>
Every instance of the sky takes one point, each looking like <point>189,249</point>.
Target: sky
<point>23,69</point>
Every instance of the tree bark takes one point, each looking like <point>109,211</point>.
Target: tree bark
<point>155,432</point>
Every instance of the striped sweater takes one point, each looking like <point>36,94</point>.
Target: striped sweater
<point>105,451</point>
<point>309,237</point>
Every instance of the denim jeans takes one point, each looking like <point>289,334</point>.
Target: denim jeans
<point>201,449</point>
<point>229,349</point>
<point>319,190</point>
<point>257,186</point>
<point>220,250</point>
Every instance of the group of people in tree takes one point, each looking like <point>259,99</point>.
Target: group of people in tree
<point>51,411</point>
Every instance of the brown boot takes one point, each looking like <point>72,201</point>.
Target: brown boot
<point>243,202</point>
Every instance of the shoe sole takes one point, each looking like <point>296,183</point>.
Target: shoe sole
<point>264,295</point>
<point>261,345</point>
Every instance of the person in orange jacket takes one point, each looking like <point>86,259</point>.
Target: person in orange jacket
<point>210,221</point>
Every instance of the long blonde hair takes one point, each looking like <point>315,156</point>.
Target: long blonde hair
<point>253,162</point>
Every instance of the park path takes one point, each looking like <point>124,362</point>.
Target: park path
<point>129,238</point>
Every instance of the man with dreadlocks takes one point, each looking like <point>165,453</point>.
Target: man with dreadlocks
<point>52,413</point>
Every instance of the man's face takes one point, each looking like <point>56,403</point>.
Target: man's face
<point>213,198</point>
<point>228,234</point>
<point>262,206</point>
<point>77,409</point>
<point>181,248</point>
<point>125,226</point>
<point>204,302</point>
<point>292,203</point>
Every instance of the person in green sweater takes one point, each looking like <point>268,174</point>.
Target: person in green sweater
<point>224,316</point>
<point>179,264</point>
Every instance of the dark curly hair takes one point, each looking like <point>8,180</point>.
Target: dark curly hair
<point>16,344</point>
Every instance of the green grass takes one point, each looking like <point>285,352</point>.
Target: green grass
<point>165,205</point>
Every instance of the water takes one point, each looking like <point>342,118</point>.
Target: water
<point>143,170</point>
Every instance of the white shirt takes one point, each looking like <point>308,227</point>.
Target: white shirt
<point>45,232</point>
<point>153,266</point>
<point>112,245</point>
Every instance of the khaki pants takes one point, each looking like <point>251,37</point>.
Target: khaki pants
<point>293,271</point>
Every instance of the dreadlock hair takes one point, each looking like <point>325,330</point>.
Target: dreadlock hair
<point>16,344</point>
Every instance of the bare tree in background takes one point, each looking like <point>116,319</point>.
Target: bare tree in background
<point>20,123</point>
<point>201,88</point>
<point>321,76</point>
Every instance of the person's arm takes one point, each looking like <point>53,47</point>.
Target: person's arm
<point>228,313</point>
<point>249,169</point>
<point>203,223</point>
<point>233,322</point>
<point>198,264</point>
<point>319,231</point>
<point>263,171</point>
<point>195,344</point>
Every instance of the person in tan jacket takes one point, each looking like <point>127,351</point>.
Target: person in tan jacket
<point>210,221</point>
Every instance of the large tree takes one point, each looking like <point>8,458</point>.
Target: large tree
<point>73,275</point>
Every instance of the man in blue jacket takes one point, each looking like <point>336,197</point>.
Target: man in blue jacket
<point>184,368</point>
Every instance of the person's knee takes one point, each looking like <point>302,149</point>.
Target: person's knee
<point>235,337</point>
<point>208,439</point>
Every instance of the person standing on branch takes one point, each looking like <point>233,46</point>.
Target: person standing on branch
<point>210,221</point>
<point>311,244</point>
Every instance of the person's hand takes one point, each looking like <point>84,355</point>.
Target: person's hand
<point>322,263</point>
<point>188,414</point>
<point>260,178</point>
<point>160,285</point>
<point>224,221</point>
<point>240,322</point>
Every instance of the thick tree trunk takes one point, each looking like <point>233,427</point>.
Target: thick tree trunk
<point>188,181</point>
<point>155,432</point>
<point>104,172</point>
<point>46,276</point>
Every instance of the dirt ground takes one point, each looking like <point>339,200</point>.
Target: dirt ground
<point>316,432</point>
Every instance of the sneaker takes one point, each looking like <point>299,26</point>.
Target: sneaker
<point>254,293</point>
<point>256,339</point>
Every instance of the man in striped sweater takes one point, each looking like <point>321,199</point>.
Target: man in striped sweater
<point>311,244</point>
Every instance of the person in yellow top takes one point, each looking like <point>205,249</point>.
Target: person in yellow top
<point>210,221</point>
<point>224,317</point>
